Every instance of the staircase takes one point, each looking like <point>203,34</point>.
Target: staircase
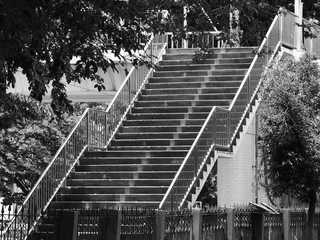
<point>149,147</point>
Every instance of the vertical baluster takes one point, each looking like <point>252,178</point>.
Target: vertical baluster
<point>228,127</point>
<point>15,223</point>
<point>2,220</point>
<point>248,90</point>
<point>87,127</point>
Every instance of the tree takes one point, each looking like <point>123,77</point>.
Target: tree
<point>42,37</point>
<point>290,120</point>
<point>29,137</point>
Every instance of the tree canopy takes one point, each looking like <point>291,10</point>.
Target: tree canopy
<point>29,137</point>
<point>290,120</point>
<point>42,37</point>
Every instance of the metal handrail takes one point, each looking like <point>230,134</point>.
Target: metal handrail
<point>221,125</point>
<point>94,129</point>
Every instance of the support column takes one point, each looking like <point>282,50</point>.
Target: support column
<point>110,225</point>
<point>257,226</point>
<point>160,224</point>
<point>230,224</point>
<point>67,225</point>
<point>298,10</point>
<point>196,233</point>
<point>286,224</point>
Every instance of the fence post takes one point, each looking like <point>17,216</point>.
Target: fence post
<point>257,225</point>
<point>68,225</point>
<point>160,224</point>
<point>196,227</point>
<point>230,224</point>
<point>286,224</point>
<point>110,226</point>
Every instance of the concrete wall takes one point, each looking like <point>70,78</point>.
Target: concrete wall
<point>83,92</point>
<point>236,173</point>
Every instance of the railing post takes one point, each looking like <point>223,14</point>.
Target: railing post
<point>228,127</point>
<point>106,129</point>
<point>88,115</point>
<point>151,52</point>
<point>248,90</point>
<point>281,26</point>
<point>64,155</point>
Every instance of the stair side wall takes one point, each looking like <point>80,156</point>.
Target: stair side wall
<point>236,173</point>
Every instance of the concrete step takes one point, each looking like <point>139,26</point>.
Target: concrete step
<point>130,154</point>
<point>175,109</point>
<point>168,97</point>
<point>127,167</point>
<point>156,135</point>
<point>150,148</point>
<point>164,115</point>
<point>194,79</point>
<point>195,73</point>
<point>215,50</point>
<point>217,55</point>
<point>202,66</point>
<point>164,122</point>
<point>110,197</point>
<point>119,182</point>
<point>211,84</point>
<point>158,129</point>
<point>206,61</point>
<point>114,190</point>
<point>132,160</point>
<point>175,91</point>
<point>120,175</point>
<point>176,103</point>
<point>152,142</point>
<point>103,204</point>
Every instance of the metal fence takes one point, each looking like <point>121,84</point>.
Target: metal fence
<point>214,224</point>
<point>137,224</point>
<point>178,225</point>
<point>273,224</point>
<point>142,224</point>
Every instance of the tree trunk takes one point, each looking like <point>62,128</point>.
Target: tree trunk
<point>311,213</point>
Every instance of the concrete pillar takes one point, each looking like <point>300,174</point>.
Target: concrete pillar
<point>286,224</point>
<point>67,225</point>
<point>196,229</point>
<point>110,225</point>
<point>160,224</point>
<point>230,224</point>
<point>298,10</point>
<point>257,226</point>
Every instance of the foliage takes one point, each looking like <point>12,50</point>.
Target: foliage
<point>208,194</point>
<point>290,123</point>
<point>43,37</point>
<point>29,137</point>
